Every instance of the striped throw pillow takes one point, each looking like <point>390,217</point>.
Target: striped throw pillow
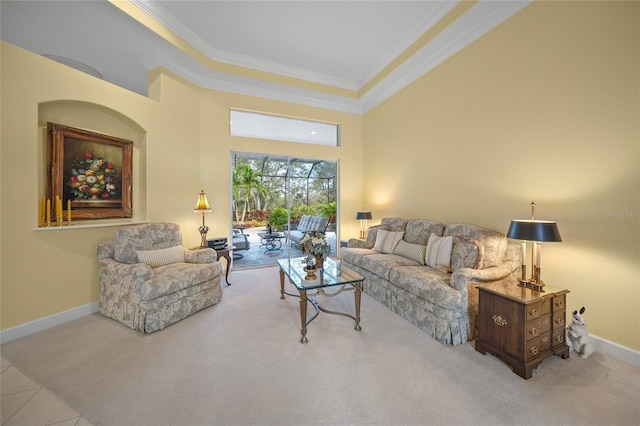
<point>438,253</point>
<point>167,256</point>
<point>411,251</point>
<point>386,241</point>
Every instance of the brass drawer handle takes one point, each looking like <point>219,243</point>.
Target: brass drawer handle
<point>559,303</point>
<point>533,312</point>
<point>534,350</point>
<point>499,320</point>
<point>560,338</point>
<point>533,331</point>
<point>559,320</point>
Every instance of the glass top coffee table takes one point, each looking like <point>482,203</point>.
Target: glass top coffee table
<point>332,275</point>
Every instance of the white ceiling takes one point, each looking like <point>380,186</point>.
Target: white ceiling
<point>337,43</point>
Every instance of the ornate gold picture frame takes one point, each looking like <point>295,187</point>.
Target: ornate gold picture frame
<point>90,170</point>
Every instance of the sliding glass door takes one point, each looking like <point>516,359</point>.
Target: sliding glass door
<point>270,196</point>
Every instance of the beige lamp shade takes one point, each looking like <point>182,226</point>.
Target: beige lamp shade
<point>202,206</point>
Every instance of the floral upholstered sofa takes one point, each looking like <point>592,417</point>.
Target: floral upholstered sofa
<point>428,272</point>
<point>148,280</point>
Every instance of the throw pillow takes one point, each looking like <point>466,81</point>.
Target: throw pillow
<point>466,253</point>
<point>386,241</point>
<point>411,251</point>
<point>372,232</point>
<point>167,256</point>
<point>438,253</point>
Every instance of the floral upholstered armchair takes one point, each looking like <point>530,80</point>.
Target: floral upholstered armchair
<point>148,280</point>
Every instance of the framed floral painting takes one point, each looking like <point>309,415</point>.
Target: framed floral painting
<point>90,172</point>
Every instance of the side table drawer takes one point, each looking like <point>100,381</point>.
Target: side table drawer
<point>538,309</point>
<point>536,346</point>
<point>536,328</point>
<point>558,320</point>
<point>558,303</point>
<point>558,337</point>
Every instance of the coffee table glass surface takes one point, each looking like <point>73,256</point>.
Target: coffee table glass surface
<point>332,274</point>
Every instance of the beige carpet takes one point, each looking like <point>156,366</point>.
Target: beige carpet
<point>240,363</point>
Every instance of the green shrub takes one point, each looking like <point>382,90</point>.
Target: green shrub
<point>278,218</point>
<point>300,211</point>
<point>328,210</point>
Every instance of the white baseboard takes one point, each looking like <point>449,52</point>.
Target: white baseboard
<point>616,351</point>
<point>604,346</point>
<point>41,324</point>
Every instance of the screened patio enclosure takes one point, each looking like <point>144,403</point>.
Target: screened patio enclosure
<point>262,183</point>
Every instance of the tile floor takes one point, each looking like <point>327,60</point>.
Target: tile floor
<point>24,402</point>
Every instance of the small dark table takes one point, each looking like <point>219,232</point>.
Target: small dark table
<point>225,252</point>
<point>272,241</point>
<point>521,326</point>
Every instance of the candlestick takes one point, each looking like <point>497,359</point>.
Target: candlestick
<point>538,250</point>
<point>57,210</point>
<point>534,257</point>
<point>48,212</point>
<point>40,213</point>
<point>68,212</point>
<point>524,254</point>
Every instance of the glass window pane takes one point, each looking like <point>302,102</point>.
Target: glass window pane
<point>264,126</point>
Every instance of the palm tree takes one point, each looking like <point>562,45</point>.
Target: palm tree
<point>247,183</point>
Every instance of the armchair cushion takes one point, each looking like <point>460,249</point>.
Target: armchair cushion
<point>169,279</point>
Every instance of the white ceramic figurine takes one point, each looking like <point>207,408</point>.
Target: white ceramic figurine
<point>578,335</point>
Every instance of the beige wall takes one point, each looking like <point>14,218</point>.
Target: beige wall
<point>546,108</point>
<point>46,272</point>
<point>181,145</point>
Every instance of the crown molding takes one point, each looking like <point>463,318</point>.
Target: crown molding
<point>483,17</point>
<point>439,10</point>
<point>245,86</point>
<point>480,19</point>
<point>157,12</point>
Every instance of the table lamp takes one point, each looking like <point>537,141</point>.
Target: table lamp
<point>534,231</point>
<point>363,217</point>
<point>203,207</point>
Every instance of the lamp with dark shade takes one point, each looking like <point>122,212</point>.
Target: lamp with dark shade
<point>363,217</point>
<point>202,206</point>
<point>534,231</point>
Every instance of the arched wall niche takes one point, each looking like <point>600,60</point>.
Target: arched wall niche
<point>100,119</point>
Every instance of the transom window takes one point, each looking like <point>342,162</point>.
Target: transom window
<point>272,127</point>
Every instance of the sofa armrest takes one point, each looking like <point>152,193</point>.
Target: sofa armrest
<point>463,276</point>
<point>358,243</point>
<point>123,278</point>
<point>202,255</point>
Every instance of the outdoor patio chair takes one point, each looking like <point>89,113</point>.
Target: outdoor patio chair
<point>240,240</point>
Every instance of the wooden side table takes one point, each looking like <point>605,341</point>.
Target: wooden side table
<point>226,253</point>
<point>522,326</point>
